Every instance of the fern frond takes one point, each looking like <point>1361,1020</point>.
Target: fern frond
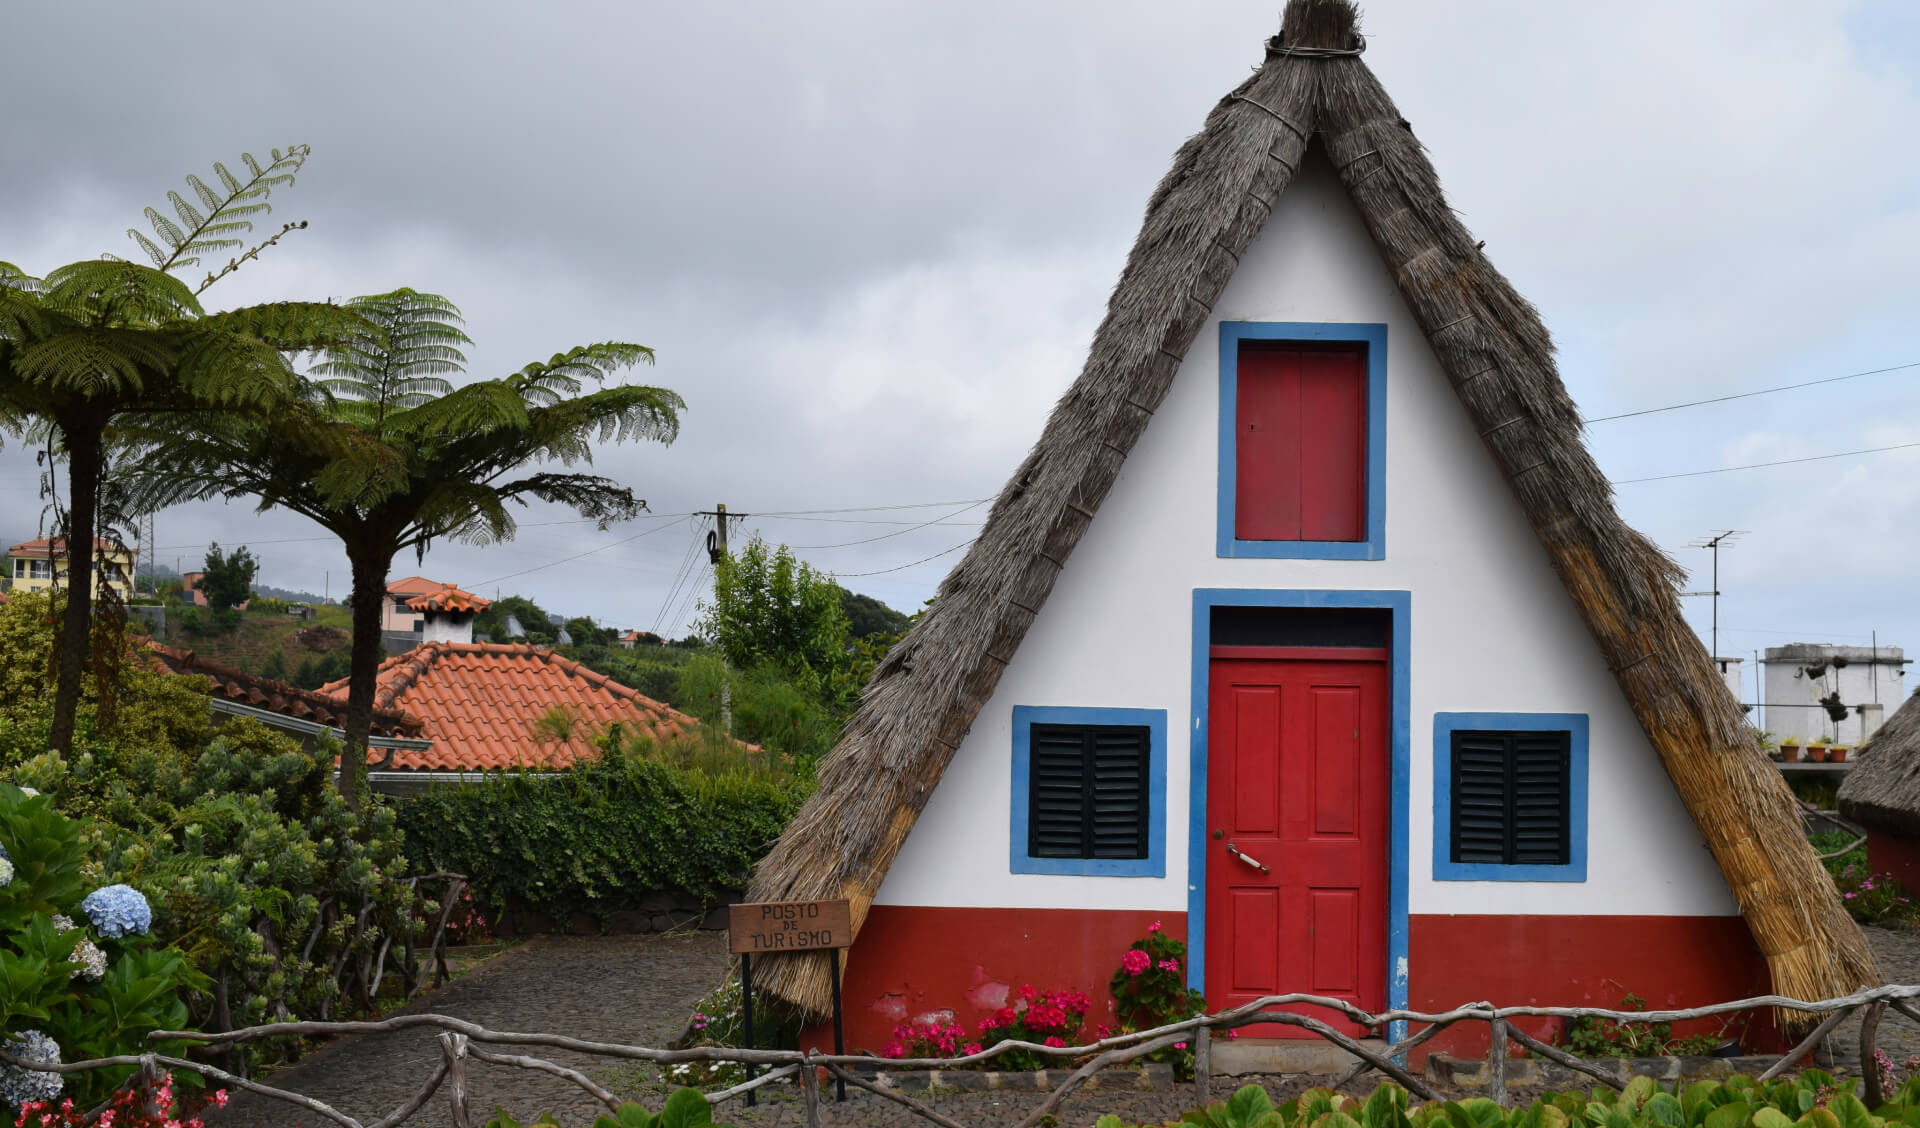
<point>84,365</point>
<point>543,385</point>
<point>229,213</point>
<point>114,293</point>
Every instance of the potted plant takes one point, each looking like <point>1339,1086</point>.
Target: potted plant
<point>1817,750</point>
<point>1837,753</point>
<point>1790,749</point>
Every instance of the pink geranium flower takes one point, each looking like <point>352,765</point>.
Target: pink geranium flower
<point>1135,961</point>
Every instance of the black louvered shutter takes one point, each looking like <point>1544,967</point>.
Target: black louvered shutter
<point>1088,791</point>
<point>1510,798</point>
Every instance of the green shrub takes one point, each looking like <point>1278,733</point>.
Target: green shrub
<point>593,838</point>
<point>1812,1100</point>
<point>1869,897</point>
<point>96,991</point>
<point>246,853</point>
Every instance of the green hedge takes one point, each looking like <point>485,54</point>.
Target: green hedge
<point>593,839</point>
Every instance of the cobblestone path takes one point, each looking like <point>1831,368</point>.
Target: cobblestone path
<point>632,989</point>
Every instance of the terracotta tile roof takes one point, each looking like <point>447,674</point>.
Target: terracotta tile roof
<point>276,697</point>
<point>45,545</point>
<point>414,585</point>
<point>479,701</point>
<point>448,598</point>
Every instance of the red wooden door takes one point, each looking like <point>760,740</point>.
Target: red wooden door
<point>1297,781</point>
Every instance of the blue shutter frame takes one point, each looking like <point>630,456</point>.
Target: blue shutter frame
<point>1155,721</point>
<point>1444,726</point>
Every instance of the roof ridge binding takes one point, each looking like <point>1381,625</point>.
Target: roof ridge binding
<point>925,694</point>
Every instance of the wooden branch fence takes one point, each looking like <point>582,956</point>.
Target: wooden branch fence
<point>462,1041</point>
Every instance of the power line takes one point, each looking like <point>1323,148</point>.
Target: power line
<point>680,576</point>
<point>1764,465</point>
<point>578,555</point>
<point>1747,395</point>
<point>877,508</point>
<point>896,568</point>
<point>686,605</point>
<point>884,536</point>
<point>854,520</point>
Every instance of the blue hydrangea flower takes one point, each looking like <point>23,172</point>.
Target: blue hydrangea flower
<point>3,852</point>
<point>18,1085</point>
<point>118,910</point>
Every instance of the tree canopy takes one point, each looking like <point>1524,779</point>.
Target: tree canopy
<point>227,579</point>
<point>98,342</point>
<point>388,455</point>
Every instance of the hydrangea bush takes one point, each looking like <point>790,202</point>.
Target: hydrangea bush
<point>70,991</point>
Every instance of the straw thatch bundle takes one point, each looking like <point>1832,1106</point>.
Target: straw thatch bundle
<point>1883,789</point>
<point>1499,357</point>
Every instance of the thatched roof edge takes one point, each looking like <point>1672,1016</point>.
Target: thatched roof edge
<point>1497,353</point>
<point>1882,792</point>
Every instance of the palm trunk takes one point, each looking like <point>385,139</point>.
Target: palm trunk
<point>369,589</point>
<point>76,626</point>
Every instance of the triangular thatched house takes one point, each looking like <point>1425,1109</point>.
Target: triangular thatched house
<point>1882,794</point>
<point>1309,631</point>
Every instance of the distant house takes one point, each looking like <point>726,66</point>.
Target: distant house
<point>631,639</point>
<point>1308,632</point>
<point>190,592</point>
<point>38,563</point>
<point>1820,691</point>
<point>1882,794</point>
<point>396,614</point>
<point>491,706</point>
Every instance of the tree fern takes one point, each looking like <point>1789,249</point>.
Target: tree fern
<point>228,211</point>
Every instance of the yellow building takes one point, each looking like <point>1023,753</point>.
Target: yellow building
<point>35,563</point>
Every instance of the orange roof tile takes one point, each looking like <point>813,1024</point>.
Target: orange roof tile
<point>479,703</point>
<point>275,697</point>
<point>448,598</point>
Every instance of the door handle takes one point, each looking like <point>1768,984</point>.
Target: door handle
<point>1236,852</point>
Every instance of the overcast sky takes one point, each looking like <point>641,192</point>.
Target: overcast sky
<point>871,243</point>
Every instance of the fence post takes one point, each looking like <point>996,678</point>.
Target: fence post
<point>1497,1062</point>
<point>455,1047</point>
<point>1203,1064</point>
<point>1869,1050</point>
<point>810,1091</point>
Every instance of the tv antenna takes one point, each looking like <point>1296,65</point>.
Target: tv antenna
<point>1712,542</point>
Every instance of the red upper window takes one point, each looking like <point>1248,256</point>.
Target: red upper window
<point>1300,443</point>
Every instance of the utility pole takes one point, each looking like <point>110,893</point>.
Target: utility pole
<point>716,551</point>
<point>717,536</point>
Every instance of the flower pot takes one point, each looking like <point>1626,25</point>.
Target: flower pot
<point>1837,755</point>
<point>1790,753</point>
<point>1817,753</point>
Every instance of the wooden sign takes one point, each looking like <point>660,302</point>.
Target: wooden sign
<point>788,926</point>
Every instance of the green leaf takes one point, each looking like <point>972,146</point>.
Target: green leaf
<point>1665,1109</point>
<point>1248,1104</point>
<point>686,1108</point>
<point>1771,1118</point>
<point>1819,1118</point>
<point>1732,1115</point>
<point>502,1119</point>
<point>1850,1111</point>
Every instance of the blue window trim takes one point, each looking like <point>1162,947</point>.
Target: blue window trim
<point>1155,863</point>
<point>1400,605</point>
<point>1444,726</point>
<point>1374,336</point>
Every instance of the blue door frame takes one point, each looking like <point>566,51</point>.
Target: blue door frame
<point>1399,605</point>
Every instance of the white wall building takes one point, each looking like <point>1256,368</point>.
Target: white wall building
<point>1802,679</point>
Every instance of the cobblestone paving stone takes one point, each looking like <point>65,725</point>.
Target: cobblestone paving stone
<point>639,990</point>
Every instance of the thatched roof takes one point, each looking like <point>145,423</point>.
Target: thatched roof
<point>1883,789</point>
<point>1313,88</point>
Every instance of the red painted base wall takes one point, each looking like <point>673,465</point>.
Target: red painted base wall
<point>960,964</point>
<point>1887,854</point>
<point>911,962</point>
<point>1583,960</point>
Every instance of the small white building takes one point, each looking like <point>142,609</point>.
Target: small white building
<point>1825,692</point>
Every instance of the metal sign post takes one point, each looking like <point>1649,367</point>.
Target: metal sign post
<point>783,927</point>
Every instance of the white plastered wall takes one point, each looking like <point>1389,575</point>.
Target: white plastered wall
<point>1492,629</point>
